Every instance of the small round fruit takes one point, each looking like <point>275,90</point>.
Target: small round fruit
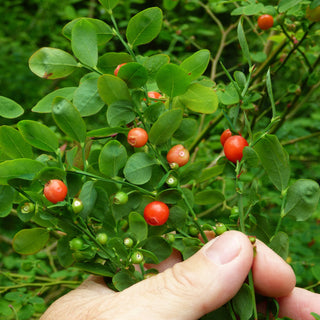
<point>220,228</point>
<point>128,242</point>
<point>77,205</point>
<point>116,70</point>
<point>156,213</point>
<point>172,181</point>
<point>265,22</point>
<point>178,154</point>
<point>193,231</point>
<point>154,95</point>
<point>136,257</point>
<point>120,198</point>
<point>27,207</point>
<point>76,244</point>
<point>102,238</point>
<point>233,148</point>
<point>226,134</point>
<point>137,137</point>
<point>55,190</point>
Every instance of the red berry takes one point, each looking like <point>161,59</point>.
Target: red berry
<point>137,137</point>
<point>154,95</point>
<point>233,148</point>
<point>178,154</point>
<point>265,22</point>
<point>156,213</point>
<point>55,190</point>
<point>116,70</point>
<point>225,135</point>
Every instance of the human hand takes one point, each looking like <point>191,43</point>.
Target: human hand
<point>190,289</point>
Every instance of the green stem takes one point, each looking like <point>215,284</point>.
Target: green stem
<point>253,295</point>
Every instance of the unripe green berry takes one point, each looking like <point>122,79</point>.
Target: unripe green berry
<point>172,181</point>
<point>102,238</point>
<point>77,205</point>
<point>128,242</point>
<point>28,207</point>
<point>193,230</point>
<point>76,244</point>
<point>170,237</point>
<point>136,257</point>
<point>120,198</point>
<point>220,228</point>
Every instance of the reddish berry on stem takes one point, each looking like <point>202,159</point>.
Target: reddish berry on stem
<point>233,148</point>
<point>225,135</point>
<point>265,22</point>
<point>154,95</point>
<point>116,70</point>
<point>137,137</point>
<point>178,154</point>
<point>55,190</point>
<point>156,213</point>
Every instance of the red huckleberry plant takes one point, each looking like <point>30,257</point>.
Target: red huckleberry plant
<point>125,158</point>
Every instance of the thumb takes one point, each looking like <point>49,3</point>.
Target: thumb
<point>192,288</point>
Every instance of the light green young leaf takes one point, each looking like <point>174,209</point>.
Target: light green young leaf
<point>109,4</point>
<point>84,43</point>
<point>10,109</point>
<point>243,43</point>
<point>144,26</point>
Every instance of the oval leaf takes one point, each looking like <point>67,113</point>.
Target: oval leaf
<point>10,109</point>
<point>165,126</point>
<point>302,199</point>
<point>84,43</point>
<point>19,168</point>
<point>144,26</point>
<point>138,226</point>
<point>52,63</point>
<point>38,135</point>
<point>275,160</point>
<point>45,104</point>
<point>86,98</point>
<point>242,303</point>
<point>172,80</point>
<point>196,64</point>
<point>138,169</point>
<point>68,119</point>
<point>108,62</point>
<point>120,113</point>
<point>159,247</point>
<point>13,144</point>
<point>7,195</point>
<point>30,241</point>
<point>207,197</point>
<point>200,99</point>
<point>112,89</point>
<point>113,157</point>
<point>134,74</point>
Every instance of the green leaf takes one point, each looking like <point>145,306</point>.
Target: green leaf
<point>207,197</point>
<point>86,98</point>
<point>188,128</point>
<point>68,119</point>
<point>105,132</point>
<point>154,63</point>
<point>49,173</point>
<point>229,95</point>
<point>316,271</point>
<point>120,113</point>
<point>19,168</point>
<point>30,241</point>
<point>302,199</point>
<point>170,4</point>
<point>38,135</point>
<point>103,31</point>
<point>138,169</point>
<point>243,43</point>
<point>242,303</point>
<point>248,10</point>
<point>163,129</point>
<point>109,4</point>
<point>6,200</point>
<point>138,226</point>
<point>144,26</point>
<point>275,160</point>
<point>110,60</point>
<point>13,144</point>
<point>159,247</point>
<point>196,64</point>
<point>285,5</point>
<point>64,252</point>
<point>45,104</point>
<point>112,89</point>
<point>113,157</point>
<point>88,196</point>
<point>172,80</point>
<point>52,63</point>
<point>200,99</point>
<point>10,109</point>
<point>123,280</point>
<point>134,74</point>
<point>280,244</point>
<point>94,268</point>
<point>315,315</point>
<point>84,43</point>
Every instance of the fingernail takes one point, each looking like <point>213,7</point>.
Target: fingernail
<point>223,250</point>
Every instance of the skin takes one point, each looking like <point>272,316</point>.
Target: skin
<point>188,290</point>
